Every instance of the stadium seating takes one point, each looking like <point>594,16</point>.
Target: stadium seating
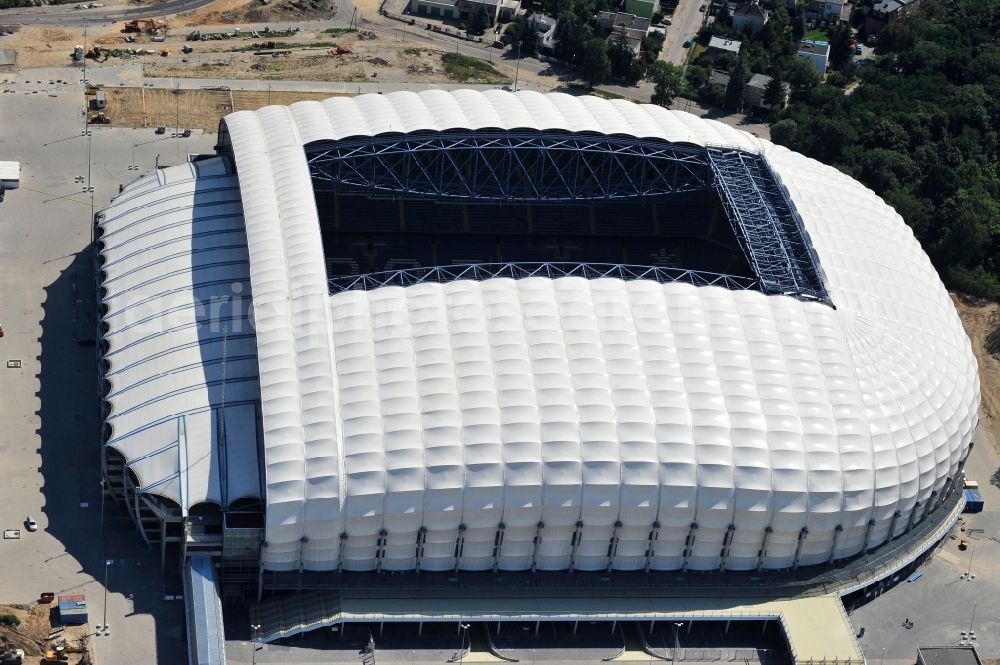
<point>364,235</point>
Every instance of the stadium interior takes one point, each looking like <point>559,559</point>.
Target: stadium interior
<point>368,234</point>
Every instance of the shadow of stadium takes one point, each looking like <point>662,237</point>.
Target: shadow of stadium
<point>71,470</point>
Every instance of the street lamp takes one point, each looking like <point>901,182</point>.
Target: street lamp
<point>463,629</point>
<point>677,639</point>
<point>254,627</point>
<point>107,628</point>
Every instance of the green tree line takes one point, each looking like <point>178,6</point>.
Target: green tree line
<point>923,131</point>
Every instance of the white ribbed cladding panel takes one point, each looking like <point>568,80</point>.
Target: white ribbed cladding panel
<point>180,345</point>
<point>587,412</point>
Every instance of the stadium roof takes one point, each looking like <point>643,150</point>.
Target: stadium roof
<point>617,404</point>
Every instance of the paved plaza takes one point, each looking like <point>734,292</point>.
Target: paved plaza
<point>49,442</point>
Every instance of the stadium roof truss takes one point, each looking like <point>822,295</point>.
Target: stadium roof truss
<point>563,167</point>
<point>481,271</point>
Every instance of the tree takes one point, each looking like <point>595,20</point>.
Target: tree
<point>521,34</point>
<point>668,81</point>
<point>783,132</point>
<point>799,25</point>
<point>736,86</point>
<point>840,47</point>
<point>724,19</point>
<point>571,34</point>
<point>593,61</point>
<point>774,94</point>
<point>800,74</point>
<point>480,20</point>
<point>622,59</point>
<point>650,47</point>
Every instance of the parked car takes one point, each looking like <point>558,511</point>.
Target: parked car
<point>688,42</point>
<point>858,50</point>
<point>703,8</point>
<point>161,130</point>
<point>31,524</point>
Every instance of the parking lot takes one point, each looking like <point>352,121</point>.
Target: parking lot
<point>940,603</point>
<point>49,441</point>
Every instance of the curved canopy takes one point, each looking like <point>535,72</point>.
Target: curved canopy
<point>181,357</point>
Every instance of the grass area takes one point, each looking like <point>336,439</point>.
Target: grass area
<point>606,94</point>
<point>338,31</point>
<point>696,50</point>
<point>464,69</point>
<point>817,35</point>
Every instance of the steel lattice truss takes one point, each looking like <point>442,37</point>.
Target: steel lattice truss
<point>511,166</point>
<point>766,224</point>
<point>482,271</point>
<point>526,167</point>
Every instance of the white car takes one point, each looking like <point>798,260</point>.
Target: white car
<point>31,524</point>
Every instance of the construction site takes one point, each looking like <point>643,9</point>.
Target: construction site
<point>37,634</point>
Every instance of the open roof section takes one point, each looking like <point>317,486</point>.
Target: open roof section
<point>548,167</point>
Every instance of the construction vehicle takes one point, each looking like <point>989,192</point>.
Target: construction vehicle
<point>146,25</point>
<point>10,656</point>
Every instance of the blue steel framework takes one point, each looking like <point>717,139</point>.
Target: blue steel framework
<point>481,271</point>
<point>522,166</point>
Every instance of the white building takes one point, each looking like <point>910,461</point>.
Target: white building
<point>724,45</point>
<point>818,53</point>
<point>750,17</point>
<point>543,422</point>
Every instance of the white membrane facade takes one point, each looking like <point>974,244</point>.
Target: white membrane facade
<point>567,423</point>
<point>181,356</point>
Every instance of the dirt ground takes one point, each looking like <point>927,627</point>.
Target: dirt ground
<point>35,635</point>
<point>981,319</point>
<point>43,47</point>
<point>190,109</point>
<point>379,59</point>
<point>225,12</point>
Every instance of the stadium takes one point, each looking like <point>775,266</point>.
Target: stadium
<point>412,336</point>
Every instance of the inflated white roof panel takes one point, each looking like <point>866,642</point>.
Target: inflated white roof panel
<point>401,424</point>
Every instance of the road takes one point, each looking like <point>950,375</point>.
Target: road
<point>62,15</point>
<point>683,24</point>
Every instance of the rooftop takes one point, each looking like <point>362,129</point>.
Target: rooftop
<point>730,45</point>
<point>950,655</point>
<point>759,81</point>
<point>819,48</point>
<point>750,9</point>
<point>623,20</point>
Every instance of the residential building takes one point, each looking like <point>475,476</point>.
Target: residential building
<point>750,17</point>
<point>642,8</point>
<point>723,45</point>
<point>715,8</point>
<point>508,10</point>
<point>456,10</point>
<point>756,88</point>
<point>818,53</point>
<point>886,12</point>
<point>719,78</point>
<point>826,10</point>
<point>628,27</point>
<point>545,26</point>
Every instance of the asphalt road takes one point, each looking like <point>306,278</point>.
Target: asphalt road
<point>683,24</point>
<point>64,15</point>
